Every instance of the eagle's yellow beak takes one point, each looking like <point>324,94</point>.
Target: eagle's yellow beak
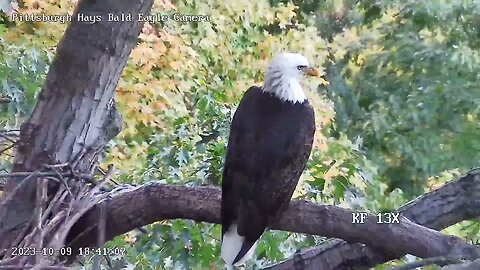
<point>311,71</point>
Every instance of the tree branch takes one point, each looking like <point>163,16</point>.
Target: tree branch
<point>452,203</point>
<point>464,266</point>
<point>440,261</point>
<point>154,201</point>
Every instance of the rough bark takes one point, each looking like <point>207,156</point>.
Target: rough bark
<point>450,204</point>
<point>475,265</point>
<point>75,115</point>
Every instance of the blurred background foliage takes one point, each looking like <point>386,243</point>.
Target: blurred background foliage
<point>397,111</point>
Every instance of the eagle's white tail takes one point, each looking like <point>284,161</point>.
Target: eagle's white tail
<point>232,244</point>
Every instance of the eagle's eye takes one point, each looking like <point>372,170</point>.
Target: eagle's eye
<point>300,67</point>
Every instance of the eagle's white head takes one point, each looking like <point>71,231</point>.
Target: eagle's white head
<point>284,74</point>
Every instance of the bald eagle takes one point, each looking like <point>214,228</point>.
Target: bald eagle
<point>270,142</point>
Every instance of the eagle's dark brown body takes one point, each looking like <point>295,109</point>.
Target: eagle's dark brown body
<point>269,144</point>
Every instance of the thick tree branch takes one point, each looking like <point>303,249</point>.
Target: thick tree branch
<point>153,202</point>
<point>454,202</point>
<point>440,261</point>
<point>475,265</point>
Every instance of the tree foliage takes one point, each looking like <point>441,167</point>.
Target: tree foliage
<point>409,88</point>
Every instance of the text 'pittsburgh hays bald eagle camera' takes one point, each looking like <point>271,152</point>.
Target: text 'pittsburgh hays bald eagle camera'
<point>270,142</point>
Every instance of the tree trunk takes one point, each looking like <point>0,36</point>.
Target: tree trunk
<point>75,115</point>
